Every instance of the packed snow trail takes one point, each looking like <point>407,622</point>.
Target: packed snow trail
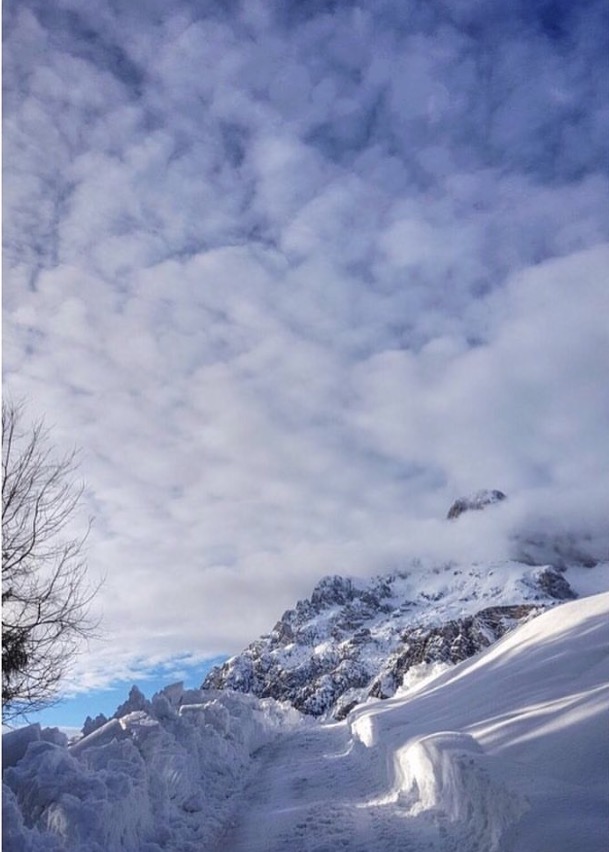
<point>324,790</point>
<point>317,790</point>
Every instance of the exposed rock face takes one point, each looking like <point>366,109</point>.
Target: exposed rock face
<point>477,501</point>
<point>452,642</point>
<point>554,584</point>
<point>136,701</point>
<point>352,639</point>
<point>91,725</point>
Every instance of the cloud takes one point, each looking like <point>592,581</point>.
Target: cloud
<point>294,279</point>
<point>526,408</point>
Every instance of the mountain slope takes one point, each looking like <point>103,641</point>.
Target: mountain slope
<point>354,639</point>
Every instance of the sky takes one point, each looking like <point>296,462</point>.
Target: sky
<point>295,276</point>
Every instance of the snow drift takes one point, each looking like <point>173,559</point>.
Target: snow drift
<point>159,778</point>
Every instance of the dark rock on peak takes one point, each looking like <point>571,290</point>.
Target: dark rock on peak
<point>136,701</point>
<point>333,590</point>
<point>477,501</point>
<point>91,725</point>
<point>552,583</point>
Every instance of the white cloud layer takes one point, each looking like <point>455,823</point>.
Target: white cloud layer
<point>295,276</point>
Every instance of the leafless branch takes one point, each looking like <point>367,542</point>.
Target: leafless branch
<point>45,592</point>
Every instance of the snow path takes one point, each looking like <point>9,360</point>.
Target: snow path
<point>319,791</point>
<point>287,803</point>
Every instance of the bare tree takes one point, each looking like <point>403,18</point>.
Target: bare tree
<point>45,593</point>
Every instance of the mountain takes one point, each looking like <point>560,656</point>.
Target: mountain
<point>352,639</point>
<point>505,752</point>
<point>477,501</point>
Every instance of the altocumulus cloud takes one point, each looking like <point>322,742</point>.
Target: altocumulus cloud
<point>294,276</point>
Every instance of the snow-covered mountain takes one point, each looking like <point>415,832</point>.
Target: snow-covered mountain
<point>463,707</point>
<point>353,639</point>
<point>504,752</point>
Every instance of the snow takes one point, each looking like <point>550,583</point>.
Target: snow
<point>163,777</point>
<point>529,718</point>
<point>505,752</point>
<point>419,676</point>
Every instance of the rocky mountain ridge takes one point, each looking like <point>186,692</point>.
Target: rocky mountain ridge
<point>353,640</point>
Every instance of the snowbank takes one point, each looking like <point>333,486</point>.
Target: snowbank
<point>162,777</point>
<point>448,776</point>
<point>509,750</point>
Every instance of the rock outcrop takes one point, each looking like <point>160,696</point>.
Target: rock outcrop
<point>479,500</point>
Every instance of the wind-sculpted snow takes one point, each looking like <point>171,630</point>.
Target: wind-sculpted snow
<point>352,640</point>
<point>157,778</point>
<point>507,752</point>
<point>449,776</point>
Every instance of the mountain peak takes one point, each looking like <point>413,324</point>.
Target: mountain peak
<point>477,501</point>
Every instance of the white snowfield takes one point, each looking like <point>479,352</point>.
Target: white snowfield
<point>506,752</point>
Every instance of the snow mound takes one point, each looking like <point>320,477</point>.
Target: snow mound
<point>157,778</point>
<point>447,777</point>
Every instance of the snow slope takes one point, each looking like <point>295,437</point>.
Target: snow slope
<point>505,752</point>
<point>520,729</point>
